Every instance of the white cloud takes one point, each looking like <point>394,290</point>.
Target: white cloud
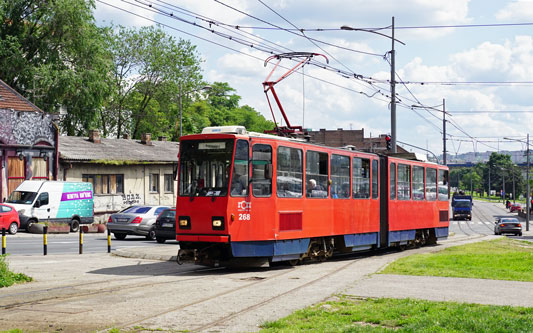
<point>516,10</point>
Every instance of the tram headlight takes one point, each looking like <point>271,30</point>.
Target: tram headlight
<point>184,222</point>
<point>217,222</point>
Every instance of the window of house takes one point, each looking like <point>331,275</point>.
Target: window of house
<point>418,183</point>
<point>154,183</point>
<point>261,166</point>
<point>316,174</point>
<point>39,168</point>
<point>289,175</point>
<point>105,184</point>
<point>404,182</point>
<point>431,184</point>
<point>169,183</point>
<point>361,178</point>
<point>392,179</point>
<point>340,176</point>
<point>375,188</point>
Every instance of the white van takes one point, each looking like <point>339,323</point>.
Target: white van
<point>54,201</point>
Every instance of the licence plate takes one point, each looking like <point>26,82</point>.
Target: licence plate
<point>167,225</point>
<point>122,220</point>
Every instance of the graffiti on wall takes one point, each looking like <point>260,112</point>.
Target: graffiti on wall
<point>25,128</point>
<point>131,199</point>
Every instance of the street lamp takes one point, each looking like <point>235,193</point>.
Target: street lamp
<point>392,78</point>
<point>180,94</point>
<point>528,207</point>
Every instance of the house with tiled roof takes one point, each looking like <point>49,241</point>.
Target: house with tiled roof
<point>28,141</point>
<point>123,172</point>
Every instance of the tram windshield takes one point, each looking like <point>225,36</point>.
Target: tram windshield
<point>205,167</point>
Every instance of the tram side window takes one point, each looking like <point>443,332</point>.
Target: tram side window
<point>340,177</point>
<point>392,179</point>
<point>444,189</point>
<point>261,159</point>
<point>404,182</point>
<point>239,178</point>
<point>361,178</point>
<point>289,173</point>
<point>431,184</point>
<point>316,174</point>
<point>375,188</point>
<point>418,183</point>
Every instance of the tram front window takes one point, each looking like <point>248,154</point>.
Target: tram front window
<point>205,167</point>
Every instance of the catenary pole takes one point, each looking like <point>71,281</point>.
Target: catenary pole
<point>444,131</point>
<point>393,93</point>
<point>528,200</point>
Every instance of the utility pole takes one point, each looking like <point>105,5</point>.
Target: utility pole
<point>393,93</point>
<point>444,131</point>
<point>528,200</point>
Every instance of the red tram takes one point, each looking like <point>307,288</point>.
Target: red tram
<point>270,198</point>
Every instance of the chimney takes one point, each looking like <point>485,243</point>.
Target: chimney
<point>162,138</point>
<point>126,136</point>
<point>146,139</point>
<point>94,136</point>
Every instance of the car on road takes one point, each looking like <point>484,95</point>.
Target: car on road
<point>9,218</point>
<point>165,225</point>
<point>515,207</point>
<point>135,220</point>
<point>508,225</point>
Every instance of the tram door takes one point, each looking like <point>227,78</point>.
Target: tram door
<point>384,200</point>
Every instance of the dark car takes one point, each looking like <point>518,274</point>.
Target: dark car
<point>134,220</point>
<point>165,225</point>
<point>508,225</point>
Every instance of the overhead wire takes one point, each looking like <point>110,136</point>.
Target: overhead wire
<point>369,95</point>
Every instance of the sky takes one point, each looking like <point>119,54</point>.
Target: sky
<point>481,67</point>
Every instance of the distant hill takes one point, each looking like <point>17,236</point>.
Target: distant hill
<point>516,156</point>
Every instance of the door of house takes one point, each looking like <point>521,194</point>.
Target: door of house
<point>16,173</point>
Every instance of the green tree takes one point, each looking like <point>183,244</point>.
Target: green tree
<point>53,53</point>
<point>149,69</point>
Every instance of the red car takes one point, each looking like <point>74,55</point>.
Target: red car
<point>9,218</point>
<point>515,207</point>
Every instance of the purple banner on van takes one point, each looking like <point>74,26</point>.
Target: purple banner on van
<point>76,195</point>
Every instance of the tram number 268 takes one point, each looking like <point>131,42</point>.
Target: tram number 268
<point>244,217</point>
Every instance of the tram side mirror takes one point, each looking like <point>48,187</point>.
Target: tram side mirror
<point>175,171</point>
<point>268,171</point>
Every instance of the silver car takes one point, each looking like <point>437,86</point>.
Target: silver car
<point>135,220</point>
<point>508,225</point>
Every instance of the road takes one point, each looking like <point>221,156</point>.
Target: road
<point>484,214</point>
<point>95,292</point>
<point>32,244</point>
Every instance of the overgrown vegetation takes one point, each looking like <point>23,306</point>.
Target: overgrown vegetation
<point>7,277</point>
<point>350,314</point>
<point>500,259</point>
<point>116,79</point>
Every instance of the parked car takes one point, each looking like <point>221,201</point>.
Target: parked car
<point>134,220</point>
<point>9,218</point>
<point>515,207</point>
<point>508,225</point>
<point>165,225</point>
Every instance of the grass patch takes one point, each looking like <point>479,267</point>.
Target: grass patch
<point>499,259</point>
<point>404,315</point>
<point>8,278</point>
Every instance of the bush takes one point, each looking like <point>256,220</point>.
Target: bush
<point>8,278</point>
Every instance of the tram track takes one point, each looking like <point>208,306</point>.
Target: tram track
<point>54,294</point>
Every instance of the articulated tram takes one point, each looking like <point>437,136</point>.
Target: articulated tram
<point>245,195</point>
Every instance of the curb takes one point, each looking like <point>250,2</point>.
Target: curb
<point>128,253</point>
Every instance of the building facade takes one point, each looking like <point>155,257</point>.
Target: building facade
<point>123,172</point>
<point>356,138</point>
<point>28,141</point>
